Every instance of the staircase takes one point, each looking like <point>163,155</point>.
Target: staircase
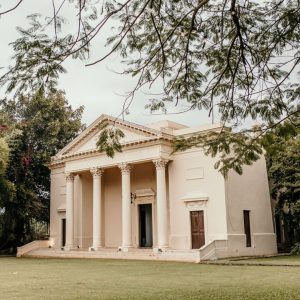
<point>111,253</point>
<point>214,250</point>
<point>42,249</point>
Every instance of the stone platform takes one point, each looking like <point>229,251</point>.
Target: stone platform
<point>113,253</point>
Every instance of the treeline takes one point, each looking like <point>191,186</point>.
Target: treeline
<point>282,145</point>
<point>32,129</point>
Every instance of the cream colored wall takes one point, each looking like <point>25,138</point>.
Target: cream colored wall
<point>192,173</point>
<point>87,211</point>
<point>112,207</point>
<point>57,194</point>
<point>250,191</point>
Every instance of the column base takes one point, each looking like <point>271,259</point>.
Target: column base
<point>160,249</point>
<point>95,248</point>
<point>69,248</point>
<point>125,248</point>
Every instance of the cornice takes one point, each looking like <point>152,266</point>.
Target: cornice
<point>88,153</point>
<point>57,165</point>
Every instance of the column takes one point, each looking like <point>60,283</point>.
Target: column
<point>97,209</point>
<point>161,204</point>
<point>126,207</point>
<point>69,211</point>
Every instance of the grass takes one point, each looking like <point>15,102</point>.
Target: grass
<point>285,260</point>
<point>120,279</point>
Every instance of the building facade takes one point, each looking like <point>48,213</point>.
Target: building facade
<point>149,197</point>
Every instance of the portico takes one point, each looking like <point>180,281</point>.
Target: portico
<point>129,206</point>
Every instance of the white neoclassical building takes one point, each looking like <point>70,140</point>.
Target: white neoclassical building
<point>148,202</point>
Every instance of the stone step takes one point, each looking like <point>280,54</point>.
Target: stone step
<point>174,255</point>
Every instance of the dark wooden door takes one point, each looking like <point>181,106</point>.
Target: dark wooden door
<point>63,231</point>
<point>145,216</point>
<point>197,229</point>
<point>247,227</point>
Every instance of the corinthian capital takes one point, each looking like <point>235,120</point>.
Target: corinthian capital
<point>125,168</point>
<point>96,172</point>
<point>69,176</point>
<point>160,163</point>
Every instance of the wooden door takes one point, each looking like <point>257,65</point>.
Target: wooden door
<point>145,228</point>
<point>247,227</point>
<point>197,229</point>
<point>63,232</point>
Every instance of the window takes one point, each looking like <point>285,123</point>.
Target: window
<point>247,227</point>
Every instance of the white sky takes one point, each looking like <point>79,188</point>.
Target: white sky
<point>96,87</point>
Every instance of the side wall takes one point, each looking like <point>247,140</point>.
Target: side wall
<point>83,205</point>
<point>112,207</point>
<point>250,191</point>
<point>57,200</point>
<point>194,184</point>
<point>82,208</point>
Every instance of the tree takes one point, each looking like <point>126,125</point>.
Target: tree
<point>283,159</point>
<point>236,57</point>
<point>6,187</point>
<point>45,123</point>
<point>3,154</point>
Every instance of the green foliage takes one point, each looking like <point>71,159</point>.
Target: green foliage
<point>238,59</point>
<point>212,54</point>
<point>283,160</point>
<point>296,249</point>
<point>234,150</point>
<point>4,151</point>
<point>40,55</point>
<point>109,140</point>
<point>45,124</point>
<point>35,53</point>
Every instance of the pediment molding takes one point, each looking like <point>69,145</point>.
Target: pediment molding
<point>91,130</point>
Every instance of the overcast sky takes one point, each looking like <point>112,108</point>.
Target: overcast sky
<point>98,88</point>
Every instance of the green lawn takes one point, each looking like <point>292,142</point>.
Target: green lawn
<point>120,279</point>
<point>278,260</point>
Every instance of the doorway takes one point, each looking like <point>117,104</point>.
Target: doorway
<point>247,227</point>
<point>197,229</point>
<point>63,232</point>
<point>145,225</point>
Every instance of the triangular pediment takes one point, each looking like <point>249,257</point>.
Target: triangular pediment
<point>86,141</point>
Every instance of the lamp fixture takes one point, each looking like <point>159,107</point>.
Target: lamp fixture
<point>132,197</point>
